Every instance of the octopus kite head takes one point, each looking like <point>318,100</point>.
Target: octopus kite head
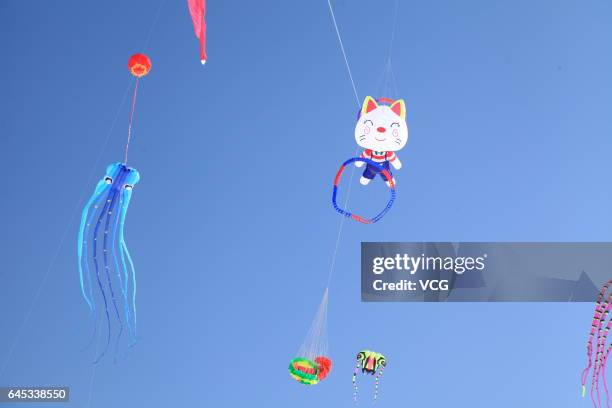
<point>129,176</point>
<point>382,125</point>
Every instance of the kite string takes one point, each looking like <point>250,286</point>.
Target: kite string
<point>146,45</point>
<point>348,66</point>
<point>357,101</point>
<point>393,29</point>
<point>129,138</point>
<point>388,76</point>
<point>390,66</point>
<point>316,341</point>
<point>154,24</point>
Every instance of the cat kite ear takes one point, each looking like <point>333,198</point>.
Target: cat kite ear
<point>369,104</point>
<point>399,108</point>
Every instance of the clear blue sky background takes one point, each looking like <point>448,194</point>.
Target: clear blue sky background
<point>231,225</point>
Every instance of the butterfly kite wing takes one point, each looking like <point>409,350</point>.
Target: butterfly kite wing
<point>197,9</point>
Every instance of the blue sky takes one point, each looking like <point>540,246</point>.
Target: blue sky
<point>231,226</point>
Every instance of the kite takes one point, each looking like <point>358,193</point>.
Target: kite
<point>309,372</point>
<point>106,271</point>
<point>369,362</point>
<point>139,65</point>
<point>311,366</point>
<point>597,358</point>
<point>197,9</point>
<point>381,130</point>
<point>384,173</point>
<point>102,236</point>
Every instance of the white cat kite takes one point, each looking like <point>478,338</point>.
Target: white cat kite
<point>381,130</point>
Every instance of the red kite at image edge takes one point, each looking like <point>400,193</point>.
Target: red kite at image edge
<point>197,9</point>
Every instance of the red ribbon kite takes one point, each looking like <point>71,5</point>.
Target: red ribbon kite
<point>197,9</point>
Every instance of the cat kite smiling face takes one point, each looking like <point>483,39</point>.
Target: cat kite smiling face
<point>382,128</point>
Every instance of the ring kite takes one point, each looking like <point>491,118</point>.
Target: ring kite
<point>384,173</point>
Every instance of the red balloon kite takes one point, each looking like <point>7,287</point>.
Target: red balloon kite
<point>139,65</point>
<point>197,9</point>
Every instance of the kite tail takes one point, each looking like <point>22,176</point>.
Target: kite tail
<point>377,382</point>
<point>355,388</point>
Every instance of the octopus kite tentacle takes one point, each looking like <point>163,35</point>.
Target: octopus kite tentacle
<point>602,335</point>
<point>125,254</point>
<point>604,368</point>
<point>86,218</point>
<point>97,271</point>
<point>109,215</point>
<point>594,329</point>
<point>118,269</point>
<point>604,353</point>
<point>597,356</point>
<point>89,212</point>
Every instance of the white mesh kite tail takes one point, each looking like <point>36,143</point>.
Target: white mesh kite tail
<point>355,371</point>
<point>378,377</point>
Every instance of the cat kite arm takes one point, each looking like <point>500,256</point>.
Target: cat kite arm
<point>395,161</point>
<point>364,155</point>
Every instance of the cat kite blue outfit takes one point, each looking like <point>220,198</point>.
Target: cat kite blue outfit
<point>106,271</point>
<point>381,130</point>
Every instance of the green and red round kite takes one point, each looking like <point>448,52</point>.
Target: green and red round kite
<point>309,372</point>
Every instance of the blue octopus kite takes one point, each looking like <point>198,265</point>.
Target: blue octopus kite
<point>106,271</point>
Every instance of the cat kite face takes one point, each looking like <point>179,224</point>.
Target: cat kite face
<point>382,128</point>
